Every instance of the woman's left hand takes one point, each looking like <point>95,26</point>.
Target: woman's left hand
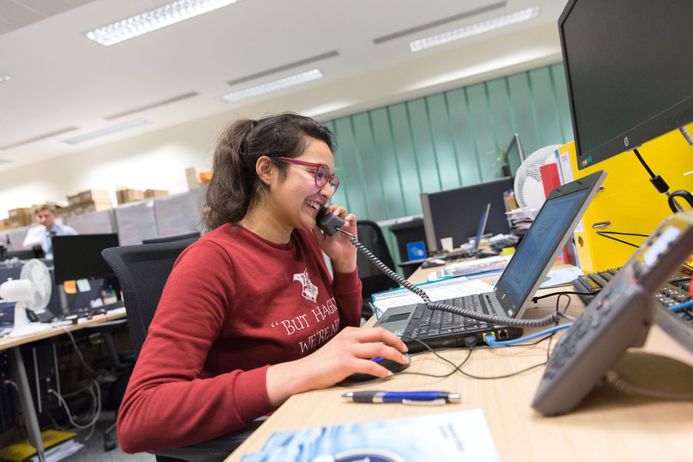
<point>339,247</point>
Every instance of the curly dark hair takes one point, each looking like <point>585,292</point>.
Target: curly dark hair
<point>234,182</point>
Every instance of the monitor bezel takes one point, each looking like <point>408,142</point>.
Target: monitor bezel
<point>665,121</point>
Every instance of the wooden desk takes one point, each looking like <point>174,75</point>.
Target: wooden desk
<point>607,424</point>
<point>18,370</point>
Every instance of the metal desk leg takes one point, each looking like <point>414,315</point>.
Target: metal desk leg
<point>26,402</point>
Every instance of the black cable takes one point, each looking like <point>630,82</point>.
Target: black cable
<point>644,164</point>
<point>603,234</point>
<point>662,187</point>
<point>555,294</point>
<point>619,233</point>
<point>387,271</point>
<point>558,300</point>
<point>455,367</point>
<point>504,376</point>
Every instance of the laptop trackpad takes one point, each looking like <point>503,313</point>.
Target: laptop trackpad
<point>396,319</point>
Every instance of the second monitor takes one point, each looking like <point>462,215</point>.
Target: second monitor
<point>454,213</point>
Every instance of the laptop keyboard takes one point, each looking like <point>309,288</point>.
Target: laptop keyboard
<point>426,323</point>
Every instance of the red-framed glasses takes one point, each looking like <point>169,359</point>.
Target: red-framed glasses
<point>322,172</point>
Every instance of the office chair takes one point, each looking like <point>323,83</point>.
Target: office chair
<point>178,237</point>
<point>372,279</point>
<point>142,271</point>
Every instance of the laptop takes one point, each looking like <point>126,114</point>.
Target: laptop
<point>533,259</point>
<point>482,228</point>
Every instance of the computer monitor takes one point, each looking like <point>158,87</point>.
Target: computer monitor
<point>454,213</point>
<point>79,257</point>
<point>513,156</point>
<point>629,72</point>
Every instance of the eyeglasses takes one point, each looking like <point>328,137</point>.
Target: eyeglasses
<point>322,172</point>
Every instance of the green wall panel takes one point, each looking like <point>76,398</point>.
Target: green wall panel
<point>387,156</point>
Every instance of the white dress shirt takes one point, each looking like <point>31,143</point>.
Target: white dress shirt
<point>39,235</point>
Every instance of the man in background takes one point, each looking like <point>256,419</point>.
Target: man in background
<point>40,236</point>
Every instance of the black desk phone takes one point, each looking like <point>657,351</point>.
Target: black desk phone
<point>618,318</point>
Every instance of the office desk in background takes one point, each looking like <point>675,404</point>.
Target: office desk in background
<point>18,370</point>
<point>607,425</point>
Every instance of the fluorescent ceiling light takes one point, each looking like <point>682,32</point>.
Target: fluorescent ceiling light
<point>474,29</point>
<point>4,77</point>
<point>152,20</point>
<point>275,85</point>
<point>106,131</point>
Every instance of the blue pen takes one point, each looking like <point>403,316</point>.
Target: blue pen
<point>404,397</point>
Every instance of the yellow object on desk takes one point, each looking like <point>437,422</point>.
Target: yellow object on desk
<point>627,202</point>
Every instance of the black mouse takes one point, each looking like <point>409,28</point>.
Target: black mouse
<point>392,366</point>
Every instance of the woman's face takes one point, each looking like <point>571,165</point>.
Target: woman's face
<point>295,199</point>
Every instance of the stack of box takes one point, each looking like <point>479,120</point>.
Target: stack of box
<point>22,216</point>
<point>125,195</point>
<point>91,200</point>
<point>154,193</point>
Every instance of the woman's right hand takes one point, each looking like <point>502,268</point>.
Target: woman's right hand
<point>349,352</point>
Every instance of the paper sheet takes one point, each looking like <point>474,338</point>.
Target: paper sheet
<point>441,290</point>
<point>451,436</point>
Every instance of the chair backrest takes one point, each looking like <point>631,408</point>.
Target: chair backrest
<point>373,280</point>
<point>142,271</point>
<point>178,237</point>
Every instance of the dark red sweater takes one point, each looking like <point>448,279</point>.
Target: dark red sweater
<point>233,305</point>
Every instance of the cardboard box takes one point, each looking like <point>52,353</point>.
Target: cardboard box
<point>191,178</point>
<point>21,211</point>
<point>89,206</point>
<point>22,216</point>
<point>95,195</point>
<point>129,195</point>
<point>90,195</point>
<point>154,193</point>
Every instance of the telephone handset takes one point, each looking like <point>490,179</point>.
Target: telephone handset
<point>330,224</point>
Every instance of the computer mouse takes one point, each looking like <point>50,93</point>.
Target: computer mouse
<point>487,254</point>
<point>392,366</point>
<point>432,262</point>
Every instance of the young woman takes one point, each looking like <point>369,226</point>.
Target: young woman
<point>250,314</point>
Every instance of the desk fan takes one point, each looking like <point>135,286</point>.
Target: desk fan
<point>31,291</point>
<point>529,191</point>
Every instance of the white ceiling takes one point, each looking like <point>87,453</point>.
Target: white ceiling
<point>63,85</point>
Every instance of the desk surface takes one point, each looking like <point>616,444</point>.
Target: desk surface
<point>9,342</point>
<point>607,424</point>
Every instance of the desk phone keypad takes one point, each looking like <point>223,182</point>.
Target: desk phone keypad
<point>616,319</point>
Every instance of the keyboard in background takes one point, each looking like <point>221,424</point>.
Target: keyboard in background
<point>674,292</point>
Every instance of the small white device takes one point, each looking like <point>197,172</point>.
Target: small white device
<point>31,291</point>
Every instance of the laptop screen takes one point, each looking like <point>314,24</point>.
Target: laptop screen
<point>482,227</point>
<point>549,231</point>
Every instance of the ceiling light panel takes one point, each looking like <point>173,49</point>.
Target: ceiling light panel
<point>41,137</point>
<point>474,29</point>
<point>273,86</point>
<point>106,131</point>
<point>152,20</point>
